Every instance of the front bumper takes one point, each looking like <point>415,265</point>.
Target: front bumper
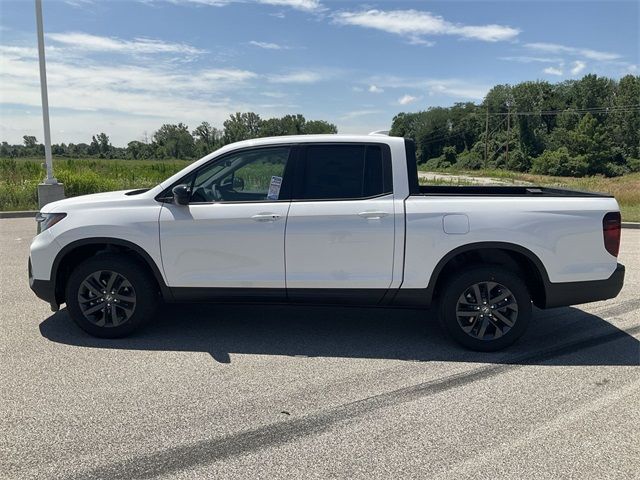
<point>575,293</point>
<point>44,289</point>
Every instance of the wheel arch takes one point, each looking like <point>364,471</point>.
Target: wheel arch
<point>482,253</point>
<point>79,250</point>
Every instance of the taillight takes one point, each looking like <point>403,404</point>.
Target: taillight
<point>611,226</point>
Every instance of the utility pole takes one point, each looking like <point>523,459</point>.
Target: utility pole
<point>50,190</point>
<point>486,138</point>
<point>508,131</point>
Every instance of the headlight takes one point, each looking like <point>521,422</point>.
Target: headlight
<point>48,220</point>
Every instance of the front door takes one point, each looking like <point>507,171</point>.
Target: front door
<point>231,235</point>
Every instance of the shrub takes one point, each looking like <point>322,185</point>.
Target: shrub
<point>614,169</point>
<point>449,155</point>
<point>634,164</point>
<point>436,163</point>
<point>560,163</point>
<point>518,161</point>
<point>470,160</point>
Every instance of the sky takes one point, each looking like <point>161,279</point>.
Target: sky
<point>125,67</point>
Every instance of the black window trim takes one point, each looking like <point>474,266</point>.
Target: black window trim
<point>166,196</point>
<point>298,183</point>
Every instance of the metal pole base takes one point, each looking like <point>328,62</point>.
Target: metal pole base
<point>49,192</point>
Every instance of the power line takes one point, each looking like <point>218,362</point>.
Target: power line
<point>583,111</point>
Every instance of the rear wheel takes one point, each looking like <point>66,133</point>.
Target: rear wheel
<point>485,308</point>
<point>110,295</point>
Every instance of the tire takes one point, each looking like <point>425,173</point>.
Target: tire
<point>489,326</point>
<point>102,313</point>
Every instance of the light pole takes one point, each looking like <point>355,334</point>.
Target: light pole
<point>50,190</point>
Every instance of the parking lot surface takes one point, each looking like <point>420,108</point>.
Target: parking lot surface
<point>264,392</point>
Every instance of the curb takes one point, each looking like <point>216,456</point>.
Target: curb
<point>634,225</point>
<point>19,214</point>
<point>32,213</point>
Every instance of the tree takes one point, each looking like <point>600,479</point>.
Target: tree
<point>174,141</point>
<point>100,145</point>
<point>319,127</point>
<point>30,141</point>
<point>139,150</point>
<point>103,143</point>
<point>94,146</point>
<point>242,126</point>
<point>206,138</point>
<point>294,125</point>
<point>624,123</point>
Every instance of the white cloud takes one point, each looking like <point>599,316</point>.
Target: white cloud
<point>303,5</point>
<point>414,24</point>
<point>578,66</point>
<point>450,87</point>
<point>358,113</point>
<point>94,43</point>
<point>581,52</point>
<point>298,76</point>
<point>132,91</point>
<point>375,89</point>
<point>553,71</point>
<point>407,99</point>
<point>78,3</point>
<point>528,59</point>
<point>13,51</point>
<point>86,97</point>
<point>268,45</point>
<point>274,94</point>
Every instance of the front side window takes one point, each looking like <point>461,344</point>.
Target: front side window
<point>248,176</point>
<point>334,172</point>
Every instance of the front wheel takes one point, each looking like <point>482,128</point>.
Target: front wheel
<point>485,308</point>
<point>110,295</point>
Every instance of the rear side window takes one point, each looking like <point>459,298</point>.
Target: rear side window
<point>334,172</point>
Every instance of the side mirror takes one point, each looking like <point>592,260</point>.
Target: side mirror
<point>181,194</point>
<point>238,184</point>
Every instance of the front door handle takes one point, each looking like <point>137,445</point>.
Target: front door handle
<point>265,217</point>
<point>373,215</point>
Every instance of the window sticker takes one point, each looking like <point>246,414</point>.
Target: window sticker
<point>274,188</point>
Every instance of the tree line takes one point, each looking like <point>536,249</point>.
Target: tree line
<point>573,128</point>
<point>176,141</point>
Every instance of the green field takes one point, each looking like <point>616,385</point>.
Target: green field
<point>19,178</point>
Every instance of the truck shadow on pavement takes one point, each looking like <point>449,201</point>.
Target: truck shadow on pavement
<point>563,336</point>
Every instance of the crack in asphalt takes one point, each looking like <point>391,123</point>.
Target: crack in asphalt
<point>206,452</point>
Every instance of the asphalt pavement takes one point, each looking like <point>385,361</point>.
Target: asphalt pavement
<point>268,392</point>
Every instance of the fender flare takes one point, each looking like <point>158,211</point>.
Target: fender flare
<point>424,296</point>
<point>67,249</point>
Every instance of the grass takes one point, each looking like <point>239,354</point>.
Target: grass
<point>626,188</point>
<point>20,177</point>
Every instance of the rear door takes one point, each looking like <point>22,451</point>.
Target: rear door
<point>339,241</point>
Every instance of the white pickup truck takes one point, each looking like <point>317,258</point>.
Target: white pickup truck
<point>327,219</point>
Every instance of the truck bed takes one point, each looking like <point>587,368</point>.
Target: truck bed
<point>503,191</point>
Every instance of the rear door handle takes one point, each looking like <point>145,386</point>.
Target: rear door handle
<point>265,217</point>
<point>373,215</point>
